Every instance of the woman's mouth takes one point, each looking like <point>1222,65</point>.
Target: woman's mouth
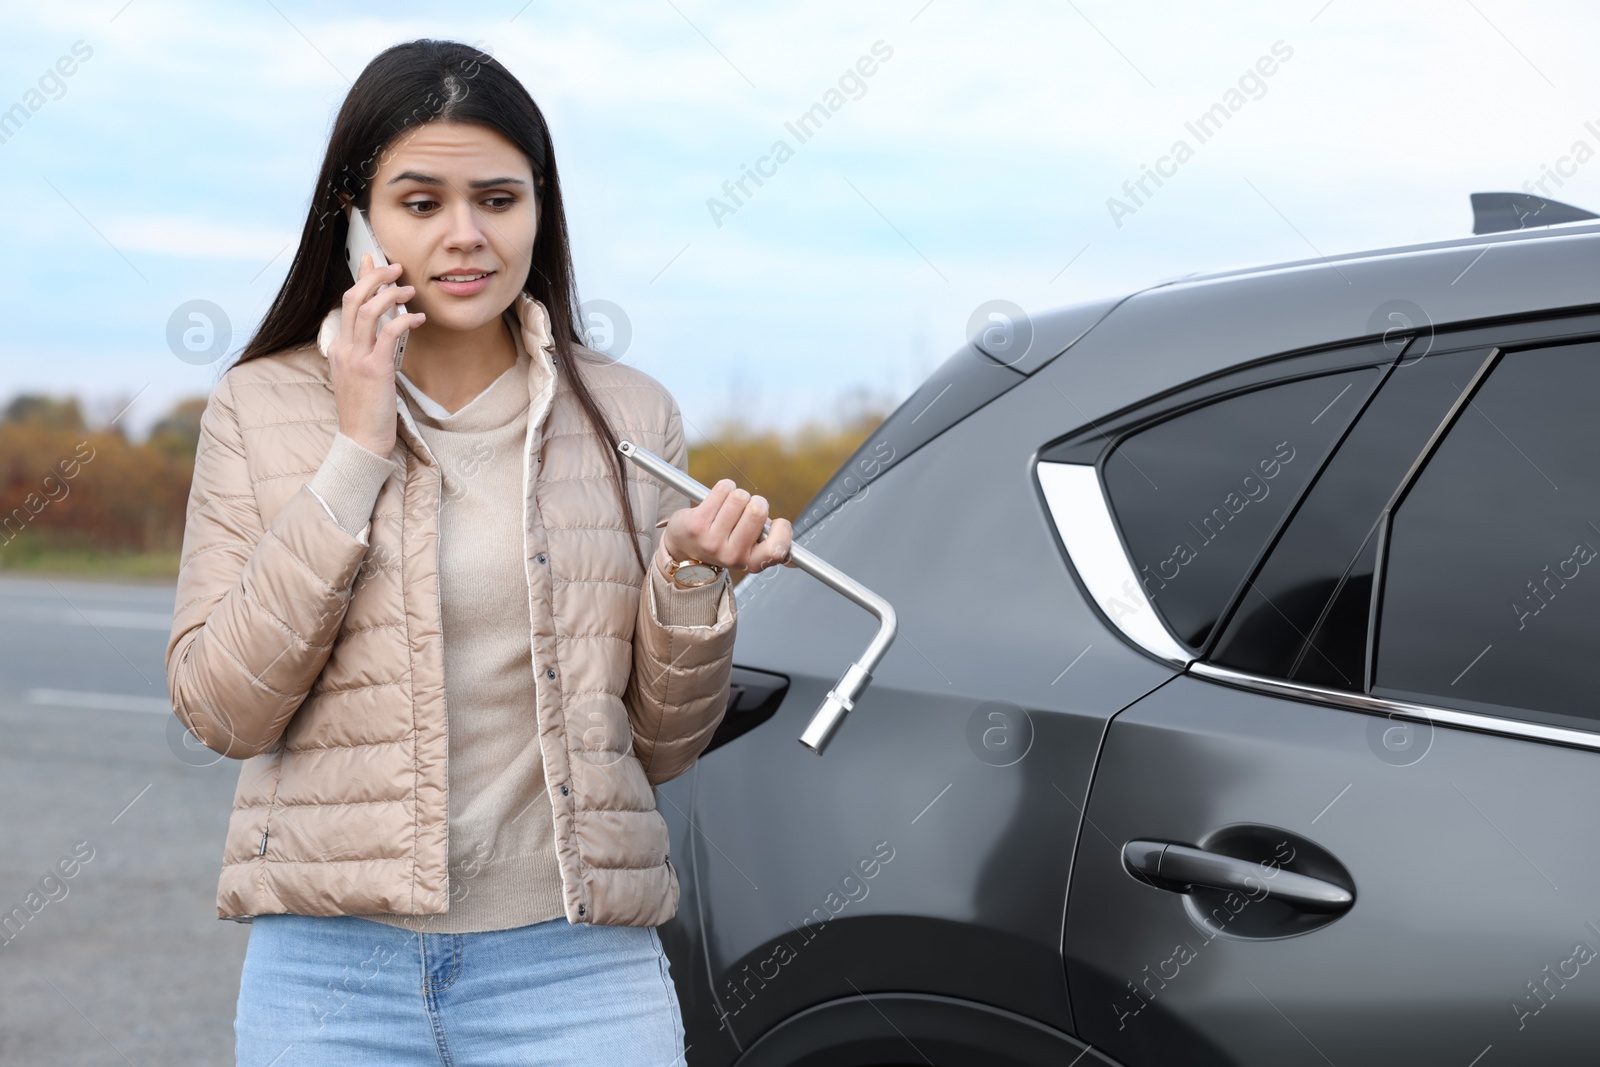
<point>464,283</point>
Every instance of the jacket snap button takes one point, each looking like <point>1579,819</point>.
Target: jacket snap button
<point>540,557</point>
<point>580,909</point>
<point>549,672</point>
<point>563,790</point>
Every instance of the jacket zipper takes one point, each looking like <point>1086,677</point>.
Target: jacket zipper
<point>262,851</point>
<point>438,587</point>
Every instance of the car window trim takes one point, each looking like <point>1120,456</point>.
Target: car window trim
<point>1094,441</point>
<point>1380,563</point>
<point>1075,499</point>
<point>1528,330</point>
<point>1104,564</point>
<point>1380,559</point>
<point>1430,714</point>
<point>1446,424</point>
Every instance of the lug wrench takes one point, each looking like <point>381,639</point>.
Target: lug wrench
<point>842,697</point>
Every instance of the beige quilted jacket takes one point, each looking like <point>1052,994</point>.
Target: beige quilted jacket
<point>316,658</point>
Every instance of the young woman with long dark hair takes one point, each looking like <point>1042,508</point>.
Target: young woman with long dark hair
<point>453,636</point>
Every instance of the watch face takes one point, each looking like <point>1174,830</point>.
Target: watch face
<point>692,574</point>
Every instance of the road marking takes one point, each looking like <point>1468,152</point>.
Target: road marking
<point>73,698</point>
<point>127,620</point>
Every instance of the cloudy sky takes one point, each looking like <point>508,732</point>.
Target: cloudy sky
<point>979,161</point>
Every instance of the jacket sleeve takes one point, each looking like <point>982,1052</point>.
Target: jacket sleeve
<point>258,608</point>
<point>678,691</point>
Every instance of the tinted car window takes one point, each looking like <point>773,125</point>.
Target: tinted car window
<point>1198,496</point>
<point>1304,613</point>
<point>1491,587</point>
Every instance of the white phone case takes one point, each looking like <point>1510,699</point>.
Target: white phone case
<point>361,241</point>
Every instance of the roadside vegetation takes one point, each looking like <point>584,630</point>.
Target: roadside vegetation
<point>87,501</point>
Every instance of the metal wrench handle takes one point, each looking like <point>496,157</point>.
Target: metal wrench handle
<point>842,697</point>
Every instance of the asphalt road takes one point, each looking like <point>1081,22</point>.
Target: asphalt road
<point>125,962</point>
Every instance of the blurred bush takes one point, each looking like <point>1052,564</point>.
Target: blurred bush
<point>87,500</point>
<point>787,469</point>
<point>76,498</point>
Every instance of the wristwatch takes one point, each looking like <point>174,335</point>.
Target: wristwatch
<point>692,573</point>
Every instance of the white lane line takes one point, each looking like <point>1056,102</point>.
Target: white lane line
<point>128,620</point>
<point>74,698</point>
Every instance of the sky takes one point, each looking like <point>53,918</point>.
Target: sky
<point>994,153</point>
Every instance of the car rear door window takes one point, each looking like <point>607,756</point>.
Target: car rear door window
<point>1199,495</point>
<point>1304,614</point>
<point>1490,596</point>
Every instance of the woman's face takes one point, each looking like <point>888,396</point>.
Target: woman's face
<point>452,200</point>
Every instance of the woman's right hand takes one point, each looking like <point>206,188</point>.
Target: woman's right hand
<point>361,358</point>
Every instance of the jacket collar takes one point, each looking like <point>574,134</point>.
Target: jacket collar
<point>528,317</point>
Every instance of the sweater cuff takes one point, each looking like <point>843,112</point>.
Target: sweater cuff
<point>686,607</point>
<point>348,482</point>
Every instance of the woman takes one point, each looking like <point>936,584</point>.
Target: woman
<point>416,604</point>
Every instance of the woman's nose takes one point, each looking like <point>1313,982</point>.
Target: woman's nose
<point>464,230</point>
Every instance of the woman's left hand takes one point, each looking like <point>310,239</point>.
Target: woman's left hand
<point>724,528</point>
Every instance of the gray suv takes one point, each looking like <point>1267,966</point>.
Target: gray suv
<point>1245,707</point>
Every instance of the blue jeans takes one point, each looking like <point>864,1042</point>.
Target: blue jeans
<point>347,991</point>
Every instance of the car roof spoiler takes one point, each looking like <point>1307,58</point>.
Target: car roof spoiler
<point>1501,212</point>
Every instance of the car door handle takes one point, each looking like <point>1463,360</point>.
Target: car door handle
<point>1181,867</point>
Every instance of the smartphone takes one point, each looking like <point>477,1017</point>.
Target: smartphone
<point>360,240</point>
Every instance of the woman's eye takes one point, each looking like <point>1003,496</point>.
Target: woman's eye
<point>504,201</point>
<point>419,203</point>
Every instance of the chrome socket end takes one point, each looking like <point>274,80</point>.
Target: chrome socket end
<point>840,700</point>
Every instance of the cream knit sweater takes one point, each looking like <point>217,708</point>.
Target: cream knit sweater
<point>503,870</point>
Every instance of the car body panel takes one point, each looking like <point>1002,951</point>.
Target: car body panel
<point>1469,884</point>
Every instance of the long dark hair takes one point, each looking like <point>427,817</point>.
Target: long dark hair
<point>403,87</point>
